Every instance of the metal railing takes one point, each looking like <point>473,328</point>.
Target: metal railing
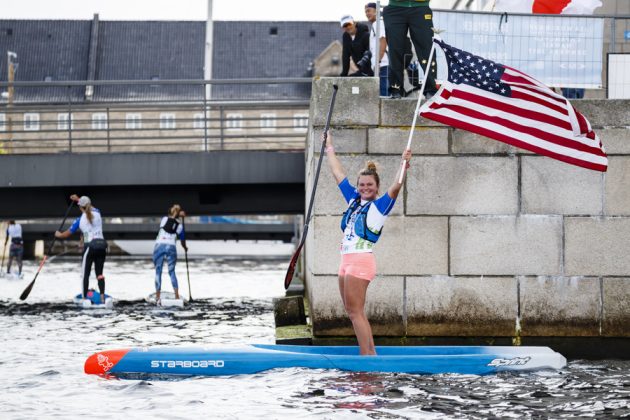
<point>134,116</point>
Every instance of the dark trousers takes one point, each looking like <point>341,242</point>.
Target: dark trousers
<point>399,21</point>
<point>96,257</point>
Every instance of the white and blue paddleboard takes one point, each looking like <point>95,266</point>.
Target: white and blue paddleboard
<point>93,300</point>
<point>167,300</point>
<point>248,359</point>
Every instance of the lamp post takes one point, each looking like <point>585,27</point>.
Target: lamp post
<point>11,68</point>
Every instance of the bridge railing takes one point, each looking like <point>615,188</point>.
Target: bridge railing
<point>154,116</point>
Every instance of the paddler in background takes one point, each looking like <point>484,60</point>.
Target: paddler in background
<point>94,243</point>
<point>171,228</point>
<point>16,250</point>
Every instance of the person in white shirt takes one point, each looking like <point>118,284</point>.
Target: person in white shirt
<point>362,224</point>
<point>171,227</point>
<point>14,232</point>
<point>383,74</point>
<point>90,224</point>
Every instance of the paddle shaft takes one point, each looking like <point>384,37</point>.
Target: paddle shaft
<point>190,298</point>
<point>28,289</point>
<point>427,69</point>
<point>289,276</point>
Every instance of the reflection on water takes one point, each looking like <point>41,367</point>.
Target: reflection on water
<point>46,340</point>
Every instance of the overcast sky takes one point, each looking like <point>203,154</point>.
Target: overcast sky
<point>320,10</point>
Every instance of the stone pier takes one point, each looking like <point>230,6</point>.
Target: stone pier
<point>486,243</point>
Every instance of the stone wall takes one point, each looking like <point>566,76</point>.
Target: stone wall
<point>485,240</point>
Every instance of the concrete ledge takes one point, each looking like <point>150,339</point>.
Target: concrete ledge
<point>604,112</point>
<point>553,187</point>
<point>463,306</point>
<point>399,113</point>
<point>560,306</point>
<point>357,101</point>
<point>425,140</point>
<point>597,246</point>
<point>506,245</point>
<point>462,185</point>
<point>616,313</point>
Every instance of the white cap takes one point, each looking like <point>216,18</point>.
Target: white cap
<point>346,19</point>
<point>84,201</point>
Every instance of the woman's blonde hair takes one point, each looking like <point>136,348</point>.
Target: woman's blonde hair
<point>88,212</point>
<point>174,210</point>
<point>370,169</point>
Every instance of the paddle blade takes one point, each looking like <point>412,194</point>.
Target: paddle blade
<point>27,291</point>
<point>291,270</point>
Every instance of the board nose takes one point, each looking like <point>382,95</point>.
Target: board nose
<point>103,362</point>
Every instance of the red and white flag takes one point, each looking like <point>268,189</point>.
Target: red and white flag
<point>552,7</point>
<point>505,104</point>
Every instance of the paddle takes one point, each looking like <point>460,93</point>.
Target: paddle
<point>190,299</point>
<point>28,289</point>
<point>289,276</point>
<point>4,250</point>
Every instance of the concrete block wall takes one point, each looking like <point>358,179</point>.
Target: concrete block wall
<point>485,240</point>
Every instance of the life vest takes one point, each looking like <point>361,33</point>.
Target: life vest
<point>360,224</point>
<point>171,225</point>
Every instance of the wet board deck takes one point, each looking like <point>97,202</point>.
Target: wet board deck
<point>167,300</point>
<point>93,300</point>
<point>208,361</point>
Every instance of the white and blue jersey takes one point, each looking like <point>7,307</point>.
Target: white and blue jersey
<point>14,231</point>
<point>90,231</point>
<point>377,212</point>
<point>167,238</point>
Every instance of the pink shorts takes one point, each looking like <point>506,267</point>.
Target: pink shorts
<point>362,265</point>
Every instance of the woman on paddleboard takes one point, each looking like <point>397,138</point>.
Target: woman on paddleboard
<point>361,224</point>
<point>94,244</point>
<point>171,227</point>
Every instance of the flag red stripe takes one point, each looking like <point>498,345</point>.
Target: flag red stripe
<point>532,131</point>
<point>514,142</point>
<point>538,101</point>
<point>560,101</point>
<point>511,109</point>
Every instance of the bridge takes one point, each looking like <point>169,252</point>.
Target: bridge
<point>147,184</point>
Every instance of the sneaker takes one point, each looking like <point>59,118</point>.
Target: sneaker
<point>395,94</point>
<point>429,95</point>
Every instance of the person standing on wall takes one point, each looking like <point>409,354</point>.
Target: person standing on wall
<point>362,224</point>
<point>415,17</point>
<point>165,247</point>
<point>16,250</point>
<point>379,52</point>
<point>90,224</point>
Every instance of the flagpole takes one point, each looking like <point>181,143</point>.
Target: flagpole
<point>415,114</point>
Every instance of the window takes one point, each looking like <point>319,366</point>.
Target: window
<point>234,121</point>
<point>167,121</point>
<point>3,122</point>
<point>133,121</point>
<point>62,121</point>
<point>300,122</point>
<point>273,30</point>
<point>99,121</point>
<point>199,121</point>
<point>268,122</point>
<point>31,121</point>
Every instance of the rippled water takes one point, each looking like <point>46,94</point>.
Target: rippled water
<point>46,340</point>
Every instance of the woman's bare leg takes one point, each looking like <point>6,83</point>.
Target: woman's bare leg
<point>354,292</point>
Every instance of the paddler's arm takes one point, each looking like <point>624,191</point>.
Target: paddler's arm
<point>333,161</point>
<point>394,189</point>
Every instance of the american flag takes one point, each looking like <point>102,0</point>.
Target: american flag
<point>505,104</point>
